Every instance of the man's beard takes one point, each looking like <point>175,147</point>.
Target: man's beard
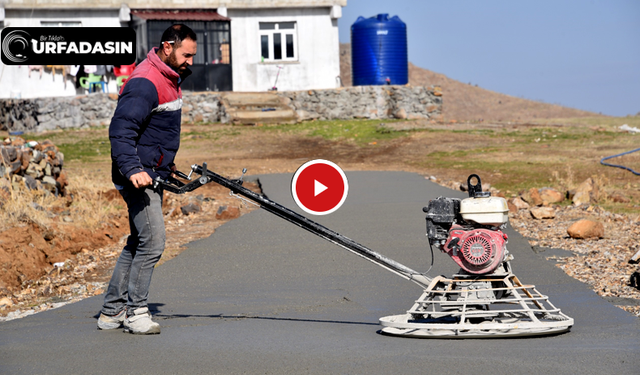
<point>172,61</point>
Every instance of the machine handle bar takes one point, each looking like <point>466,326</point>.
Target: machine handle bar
<point>176,186</point>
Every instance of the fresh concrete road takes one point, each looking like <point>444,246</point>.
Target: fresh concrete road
<point>262,296</point>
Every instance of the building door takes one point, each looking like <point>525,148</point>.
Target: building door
<point>212,64</point>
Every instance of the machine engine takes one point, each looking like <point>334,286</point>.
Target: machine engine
<point>469,229</point>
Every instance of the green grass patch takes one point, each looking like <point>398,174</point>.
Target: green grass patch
<point>79,145</point>
<point>488,132</point>
<point>86,150</point>
<point>359,130</point>
<point>512,175</point>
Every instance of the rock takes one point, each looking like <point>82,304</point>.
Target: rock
<point>30,182</point>
<point>49,183</point>
<point>532,197</point>
<point>619,198</point>
<point>549,195</point>
<point>27,155</point>
<point>400,114</point>
<point>15,166</point>
<point>227,213</point>
<point>34,171</point>
<point>586,193</point>
<point>634,280</point>
<point>10,154</point>
<point>585,228</point>
<point>62,181</point>
<point>543,212</point>
<point>18,141</point>
<point>5,302</point>
<point>190,208</point>
<point>519,203</point>
<point>17,182</point>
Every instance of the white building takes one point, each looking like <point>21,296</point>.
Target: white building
<point>243,45</point>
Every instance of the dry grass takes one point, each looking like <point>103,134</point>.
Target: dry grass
<point>24,206</point>
<point>84,204</point>
<point>567,179</point>
<point>90,206</point>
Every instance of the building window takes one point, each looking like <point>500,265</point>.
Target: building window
<point>278,41</point>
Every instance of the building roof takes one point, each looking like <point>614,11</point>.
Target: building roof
<point>167,4</point>
<point>182,15</point>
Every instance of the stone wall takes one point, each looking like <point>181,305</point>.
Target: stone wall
<point>203,107</point>
<point>42,114</point>
<point>373,102</point>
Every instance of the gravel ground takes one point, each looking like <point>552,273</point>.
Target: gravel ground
<point>602,263</point>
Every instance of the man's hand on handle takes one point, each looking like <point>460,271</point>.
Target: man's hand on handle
<point>141,179</point>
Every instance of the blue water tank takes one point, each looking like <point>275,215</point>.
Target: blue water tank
<point>379,51</point>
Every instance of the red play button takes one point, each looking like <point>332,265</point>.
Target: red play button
<point>319,187</point>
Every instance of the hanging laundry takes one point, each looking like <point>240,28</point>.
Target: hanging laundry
<point>36,67</point>
<point>73,70</point>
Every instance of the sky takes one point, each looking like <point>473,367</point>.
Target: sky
<point>582,54</point>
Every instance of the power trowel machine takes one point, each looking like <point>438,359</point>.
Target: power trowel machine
<point>483,300</point>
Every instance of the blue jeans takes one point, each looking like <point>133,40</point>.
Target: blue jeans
<point>129,285</point>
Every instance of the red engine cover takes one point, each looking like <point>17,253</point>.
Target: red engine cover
<point>477,251</point>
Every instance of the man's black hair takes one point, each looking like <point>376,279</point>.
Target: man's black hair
<point>176,34</point>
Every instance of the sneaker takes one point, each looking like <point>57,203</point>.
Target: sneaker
<point>111,322</point>
<point>140,323</point>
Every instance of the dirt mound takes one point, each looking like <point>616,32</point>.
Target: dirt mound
<point>465,102</point>
<point>45,265</point>
<point>29,251</point>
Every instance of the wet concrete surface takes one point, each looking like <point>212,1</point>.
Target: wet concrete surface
<point>262,296</point>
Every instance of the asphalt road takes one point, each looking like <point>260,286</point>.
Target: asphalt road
<point>262,296</point>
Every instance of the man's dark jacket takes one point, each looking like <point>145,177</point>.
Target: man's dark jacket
<point>145,129</point>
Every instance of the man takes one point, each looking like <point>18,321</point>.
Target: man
<point>145,136</point>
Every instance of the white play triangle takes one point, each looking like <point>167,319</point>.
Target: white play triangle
<point>318,188</point>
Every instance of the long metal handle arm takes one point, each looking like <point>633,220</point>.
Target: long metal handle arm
<point>311,226</point>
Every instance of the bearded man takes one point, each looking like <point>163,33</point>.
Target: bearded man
<point>145,136</point>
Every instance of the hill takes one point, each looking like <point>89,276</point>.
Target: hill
<point>464,102</point>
